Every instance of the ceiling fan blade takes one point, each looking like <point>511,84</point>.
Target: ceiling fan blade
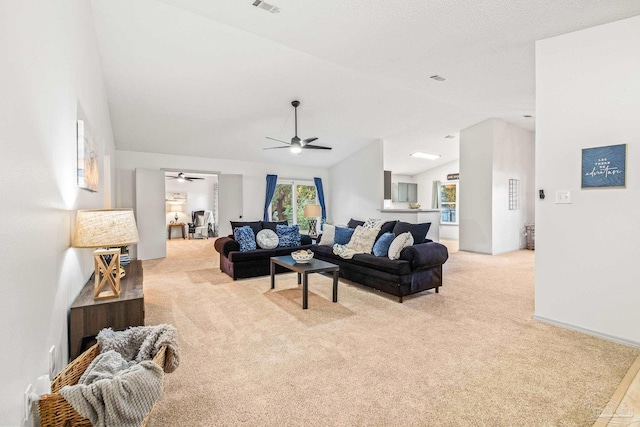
<point>316,147</point>
<point>174,177</point>
<point>273,148</point>
<point>191,178</point>
<point>273,139</point>
<point>309,140</point>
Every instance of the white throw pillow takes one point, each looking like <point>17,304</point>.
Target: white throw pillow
<point>267,239</point>
<point>328,234</point>
<point>399,243</point>
<point>363,239</point>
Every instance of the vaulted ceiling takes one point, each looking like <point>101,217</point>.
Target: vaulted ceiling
<point>213,78</point>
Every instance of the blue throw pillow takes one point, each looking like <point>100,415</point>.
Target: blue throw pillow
<point>381,248</point>
<point>246,238</point>
<point>288,235</point>
<point>343,235</point>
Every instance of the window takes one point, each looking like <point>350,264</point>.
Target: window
<point>449,203</point>
<point>284,206</point>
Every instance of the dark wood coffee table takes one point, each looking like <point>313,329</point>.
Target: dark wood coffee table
<point>303,270</point>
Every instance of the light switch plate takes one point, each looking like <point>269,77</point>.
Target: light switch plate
<point>563,197</point>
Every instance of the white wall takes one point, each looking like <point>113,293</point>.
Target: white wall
<point>588,95</point>
<point>357,185</point>
<point>253,175</point>
<point>49,64</point>
<point>476,188</point>
<point>491,153</point>
<point>425,192</point>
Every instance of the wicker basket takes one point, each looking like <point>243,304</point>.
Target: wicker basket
<point>55,411</point>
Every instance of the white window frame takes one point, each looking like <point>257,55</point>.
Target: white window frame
<point>457,202</point>
<point>294,195</point>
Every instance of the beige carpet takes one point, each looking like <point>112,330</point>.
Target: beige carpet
<point>470,355</point>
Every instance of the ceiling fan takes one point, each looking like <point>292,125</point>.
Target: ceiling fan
<point>182,177</point>
<point>297,145</point>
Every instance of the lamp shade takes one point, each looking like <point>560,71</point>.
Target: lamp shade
<point>312,211</point>
<point>104,228</point>
<point>176,208</point>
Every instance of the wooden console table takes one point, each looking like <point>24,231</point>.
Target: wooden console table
<point>87,317</point>
<point>170,227</point>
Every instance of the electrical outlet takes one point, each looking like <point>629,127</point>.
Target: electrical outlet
<point>52,361</point>
<point>27,403</point>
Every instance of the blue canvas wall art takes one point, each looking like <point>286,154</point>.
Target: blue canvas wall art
<point>604,166</point>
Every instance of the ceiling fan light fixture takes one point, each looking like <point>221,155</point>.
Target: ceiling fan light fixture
<point>421,155</point>
<point>298,144</point>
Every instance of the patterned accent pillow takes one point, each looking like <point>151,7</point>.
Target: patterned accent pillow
<point>362,239</point>
<point>246,238</point>
<point>399,243</point>
<point>381,247</point>
<point>256,226</point>
<point>343,235</point>
<point>372,223</point>
<point>289,236</point>
<point>327,235</point>
<point>267,239</point>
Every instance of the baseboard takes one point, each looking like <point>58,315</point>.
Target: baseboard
<point>587,331</point>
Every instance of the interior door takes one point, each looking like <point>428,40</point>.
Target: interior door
<point>229,201</point>
<point>150,214</point>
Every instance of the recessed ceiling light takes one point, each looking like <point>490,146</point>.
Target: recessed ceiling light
<point>422,155</point>
<point>438,78</point>
<point>266,6</point>
<point>449,136</point>
<point>527,116</point>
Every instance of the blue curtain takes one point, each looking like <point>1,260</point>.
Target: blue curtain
<point>271,189</point>
<point>318,182</point>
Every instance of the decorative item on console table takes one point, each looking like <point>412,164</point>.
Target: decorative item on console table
<point>176,209</point>
<point>124,255</point>
<point>108,230</point>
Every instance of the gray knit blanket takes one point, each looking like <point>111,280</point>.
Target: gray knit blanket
<point>143,343</point>
<point>114,391</point>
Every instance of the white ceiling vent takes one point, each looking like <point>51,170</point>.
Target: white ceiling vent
<point>266,6</point>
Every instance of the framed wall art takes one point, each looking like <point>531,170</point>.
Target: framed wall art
<point>88,177</point>
<point>604,166</point>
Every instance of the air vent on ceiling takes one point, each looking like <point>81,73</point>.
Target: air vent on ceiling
<point>438,78</point>
<point>266,6</point>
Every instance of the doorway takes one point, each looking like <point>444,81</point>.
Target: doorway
<point>155,188</point>
<point>191,205</point>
